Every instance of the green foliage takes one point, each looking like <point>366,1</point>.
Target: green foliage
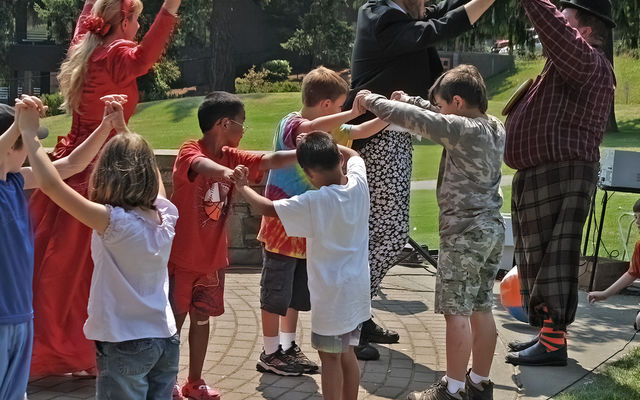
<point>277,70</point>
<point>61,16</point>
<point>53,101</point>
<point>256,82</point>
<point>627,16</point>
<point>156,84</point>
<point>324,34</point>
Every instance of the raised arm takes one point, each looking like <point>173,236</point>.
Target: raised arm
<point>92,214</point>
<point>347,153</point>
<point>8,139</point>
<point>439,9</point>
<point>328,122</point>
<point>278,159</point>
<point>442,129</point>
<point>368,129</point>
<point>211,169</point>
<point>572,56</point>
<point>84,14</point>
<point>126,61</point>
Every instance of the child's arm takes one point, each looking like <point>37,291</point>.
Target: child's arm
<point>622,282</point>
<point>8,139</point>
<point>445,130</point>
<point>418,101</point>
<point>259,204</point>
<point>368,129</point>
<point>210,169</point>
<point>278,159</point>
<point>329,122</point>
<point>347,153</point>
<point>82,155</point>
<point>94,215</point>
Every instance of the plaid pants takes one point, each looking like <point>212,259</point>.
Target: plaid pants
<point>549,206</point>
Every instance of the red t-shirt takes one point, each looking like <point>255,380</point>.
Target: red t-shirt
<point>200,243</point>
<point>634,266</point>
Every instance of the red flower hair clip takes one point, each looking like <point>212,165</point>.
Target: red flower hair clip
<point>95,24</point>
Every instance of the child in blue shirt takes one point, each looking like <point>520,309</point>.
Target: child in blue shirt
<point>16,236</point>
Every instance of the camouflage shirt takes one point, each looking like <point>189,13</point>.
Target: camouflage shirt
<point>468,187</point>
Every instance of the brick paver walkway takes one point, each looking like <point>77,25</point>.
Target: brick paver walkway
<point>235,343</point>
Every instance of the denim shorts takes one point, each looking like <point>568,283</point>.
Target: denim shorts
<point>336,343</point>
<point>137,369</point>
<point>283,284</point>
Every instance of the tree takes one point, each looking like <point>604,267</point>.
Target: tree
<point>61,16</point>
<point>324,33</point>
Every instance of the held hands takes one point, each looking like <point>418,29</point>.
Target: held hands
<point>596,296</point>
<point>240,175</point>
<point>358,102</point>
<point>300,138</point>
<point>29,110</point>
<point>113,117</point>
<point>399,95</point>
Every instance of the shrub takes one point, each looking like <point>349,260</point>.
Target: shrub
<point>251,82</point>
<point>277,70</point>
<point>53,101</point>
<point>156,84</point>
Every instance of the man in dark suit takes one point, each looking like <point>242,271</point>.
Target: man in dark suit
<point>394,50</point>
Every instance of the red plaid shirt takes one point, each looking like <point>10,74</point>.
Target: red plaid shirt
<point>564,114</point>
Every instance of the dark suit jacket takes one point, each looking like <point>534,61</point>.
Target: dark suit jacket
<point>392,51</point>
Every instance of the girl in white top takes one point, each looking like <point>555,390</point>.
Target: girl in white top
<point>129,315</point>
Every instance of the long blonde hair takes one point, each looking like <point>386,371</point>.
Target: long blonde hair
<point>106,16</point>
<point>126,173</point>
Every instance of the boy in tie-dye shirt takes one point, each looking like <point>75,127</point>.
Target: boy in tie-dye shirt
<point>283,287</point>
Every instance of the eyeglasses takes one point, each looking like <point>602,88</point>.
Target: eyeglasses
<point>244,127</point>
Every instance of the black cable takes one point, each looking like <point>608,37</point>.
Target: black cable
<point>594,368</point>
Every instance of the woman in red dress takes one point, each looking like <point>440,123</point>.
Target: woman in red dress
<point>102,60</point>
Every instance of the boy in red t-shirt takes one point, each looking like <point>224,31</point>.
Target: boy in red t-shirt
<point>202,186</point>
<point>628,278</point>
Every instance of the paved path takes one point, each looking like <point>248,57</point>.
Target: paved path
<point>431,184</point>
<point>414,363</point>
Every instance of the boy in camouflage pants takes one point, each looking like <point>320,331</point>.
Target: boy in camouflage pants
<point>471,227</point>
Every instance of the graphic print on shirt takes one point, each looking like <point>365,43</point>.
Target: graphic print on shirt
<point>214,201</point>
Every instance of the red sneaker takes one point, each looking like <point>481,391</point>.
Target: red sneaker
<point>198,390</point>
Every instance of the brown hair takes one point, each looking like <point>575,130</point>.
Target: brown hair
<point>126,173</point>
<point>322,84</point>
<point>73,70</point>
<point>636,206</point>
<point>464,81</point>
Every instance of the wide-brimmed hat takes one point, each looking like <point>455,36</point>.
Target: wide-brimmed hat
<point>599,8</point>
<point>7,116</point>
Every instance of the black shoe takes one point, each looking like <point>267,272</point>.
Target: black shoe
<point>518,345</point>
<point>296,356</point>
<point>373,333</point>
<point>278,363</point>
<point>367,352</point>
<point>537,355</point>
<point>479,391</point>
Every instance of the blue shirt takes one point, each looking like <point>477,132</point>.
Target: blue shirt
<point>16,253</point>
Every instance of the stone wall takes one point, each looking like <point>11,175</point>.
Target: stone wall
<point>242,225</point>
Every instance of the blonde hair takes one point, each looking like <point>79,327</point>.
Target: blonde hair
<point>126,173</point>
<point>322,84</point>
<point>73,70</point>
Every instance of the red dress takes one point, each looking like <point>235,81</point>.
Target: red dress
<point>63,265</point>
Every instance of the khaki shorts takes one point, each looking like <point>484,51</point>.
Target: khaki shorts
<point>467,267</point>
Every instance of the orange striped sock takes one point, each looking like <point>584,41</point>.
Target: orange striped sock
<point>552,339</point>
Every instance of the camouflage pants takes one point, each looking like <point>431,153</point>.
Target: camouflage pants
<point>467,267</point>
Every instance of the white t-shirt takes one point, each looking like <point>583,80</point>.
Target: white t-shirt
<point>130,284</point>
<point>335,221</point>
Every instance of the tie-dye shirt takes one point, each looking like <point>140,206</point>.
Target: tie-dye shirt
<point>289,181</point>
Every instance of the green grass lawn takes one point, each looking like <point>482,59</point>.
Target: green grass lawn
<point>617,381</point>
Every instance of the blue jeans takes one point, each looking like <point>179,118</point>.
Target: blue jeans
<point>137,369</point>
<point>16,341</point>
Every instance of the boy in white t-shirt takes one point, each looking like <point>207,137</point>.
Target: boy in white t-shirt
<point>334,219</point>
